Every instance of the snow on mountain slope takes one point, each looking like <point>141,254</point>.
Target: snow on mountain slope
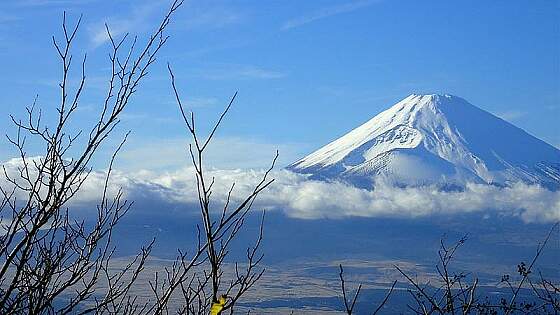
<point>435,139</point>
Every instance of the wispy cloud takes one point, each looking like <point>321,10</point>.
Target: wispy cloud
<point>230,72</point>
<point>135,21</point>
<point>210,17</point>
<point>46,3</point>
<point>326,12</point>
<point>511,115</point>
<point>259,73</point>
<point>199,102</point>
<point>6,18</point>
<point>224,152</point>
<point>197,18</point>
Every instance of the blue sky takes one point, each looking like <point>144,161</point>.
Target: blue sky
<point>306,71</point>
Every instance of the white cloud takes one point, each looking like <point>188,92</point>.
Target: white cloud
<point>326,12</point>
<point>312,199</point>
<point>299,197</point>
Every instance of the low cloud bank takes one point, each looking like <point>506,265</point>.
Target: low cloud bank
<point>299,197</point>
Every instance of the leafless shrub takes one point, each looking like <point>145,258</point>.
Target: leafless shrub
<point>350,304</point>
<point>51,262</point>
<point>454,295</point>
<point>204,289</point>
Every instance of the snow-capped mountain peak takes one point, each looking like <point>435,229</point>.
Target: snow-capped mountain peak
<point>431,138</point>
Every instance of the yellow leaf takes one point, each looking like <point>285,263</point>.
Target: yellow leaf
<point>218,306</point>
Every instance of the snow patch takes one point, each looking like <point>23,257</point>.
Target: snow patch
<point>436,139</point>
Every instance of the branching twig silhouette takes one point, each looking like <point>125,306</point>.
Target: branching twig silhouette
<point>350,304</point>
<point>219,231</point>
<point>455,296</point>
<point>51,261</point>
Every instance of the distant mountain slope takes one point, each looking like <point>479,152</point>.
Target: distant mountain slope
<point>442,139</point>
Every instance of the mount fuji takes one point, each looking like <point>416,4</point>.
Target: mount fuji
<point>435,139</point>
